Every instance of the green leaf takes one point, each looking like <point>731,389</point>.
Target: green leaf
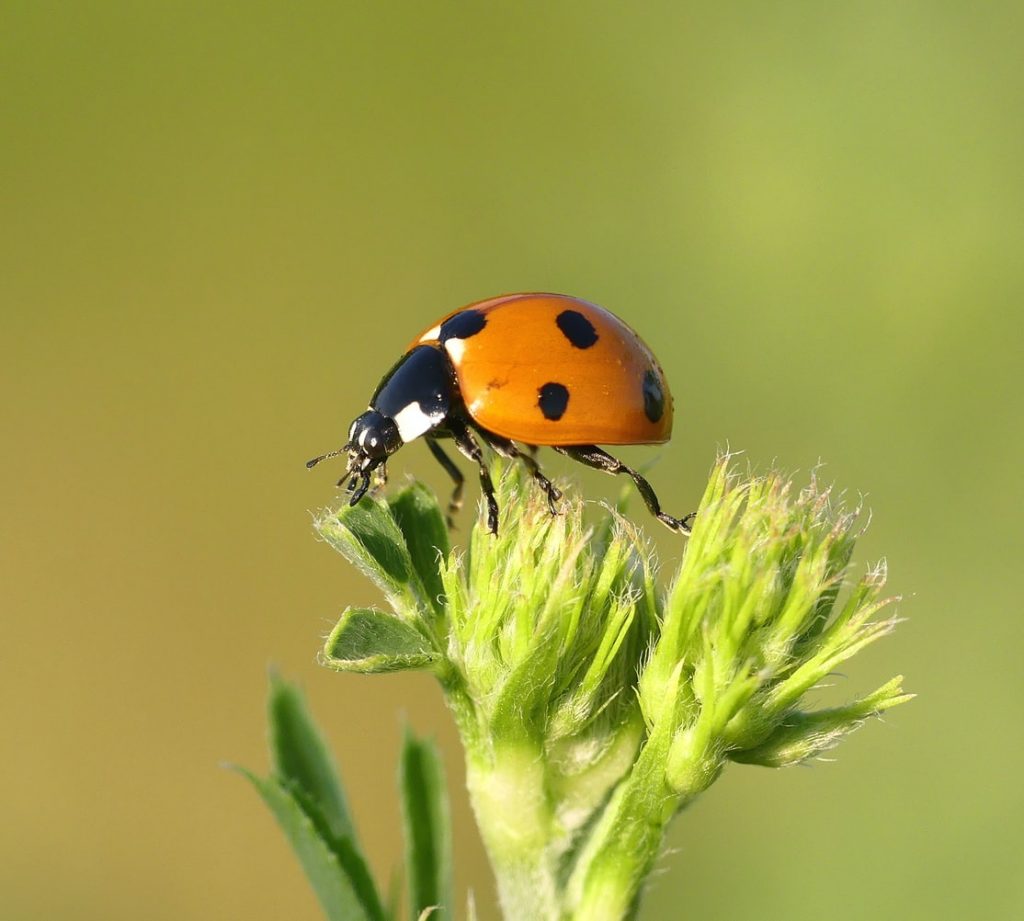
<point>427,828</point>
<point>369,642</point>
<point>332,884</point>
<point>368,537</point>
<point>302,760</point>
<point>350,857</point>
<point>419,517</point>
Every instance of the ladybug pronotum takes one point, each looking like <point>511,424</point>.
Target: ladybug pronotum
<point>537,369</point>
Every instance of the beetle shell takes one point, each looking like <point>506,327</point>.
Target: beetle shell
<point>549,369</point>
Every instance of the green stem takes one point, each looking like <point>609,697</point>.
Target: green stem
<point>625,844</point>
<point>509,796</point>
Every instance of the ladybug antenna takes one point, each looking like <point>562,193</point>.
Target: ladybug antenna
<point>310,464</point>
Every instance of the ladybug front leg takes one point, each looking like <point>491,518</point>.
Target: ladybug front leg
<point>468,445</point>
<point>455,503</point>
<point>358,487</point>
<point>593,456</point>
<point>363,479</point>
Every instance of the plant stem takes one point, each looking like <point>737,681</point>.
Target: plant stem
<point>626,841</point>
<point>509,797</point>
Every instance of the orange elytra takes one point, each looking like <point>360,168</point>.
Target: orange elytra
<point>537,369</point>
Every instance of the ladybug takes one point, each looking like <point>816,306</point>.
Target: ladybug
<point>537,369</point>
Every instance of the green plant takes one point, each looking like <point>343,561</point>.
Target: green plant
<point>592,705</point>
<point>305,794</point>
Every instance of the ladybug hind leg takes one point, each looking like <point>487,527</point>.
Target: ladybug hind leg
<point>455,503</point>
<point>508,449</point>
<point>593,456</point>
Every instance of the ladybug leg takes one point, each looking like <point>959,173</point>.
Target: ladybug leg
<point>593,456</point>
<point>360,491</point>
<point>362,480</point>
<point>455,503</point>
<point>469,446</point>
<point>506,448</point>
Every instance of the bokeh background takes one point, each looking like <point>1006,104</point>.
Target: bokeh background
<point>220,223</point>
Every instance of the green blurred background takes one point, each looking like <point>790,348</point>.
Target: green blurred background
<point>219,225</point>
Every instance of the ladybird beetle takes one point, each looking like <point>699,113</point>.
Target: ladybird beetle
<point>538,369</point>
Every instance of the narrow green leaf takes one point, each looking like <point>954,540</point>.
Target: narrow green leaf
<point>419,517</point>
<point>427,828</point>
<point>333,887</point>
<point>301,758</point>
<point>369,641</point>
<point>349,856</point>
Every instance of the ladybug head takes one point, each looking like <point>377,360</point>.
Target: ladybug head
<point>372,438</point>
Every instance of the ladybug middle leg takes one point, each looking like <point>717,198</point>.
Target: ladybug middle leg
<point>593,456</point>
<point>508,449</point>
<point>469,446</point>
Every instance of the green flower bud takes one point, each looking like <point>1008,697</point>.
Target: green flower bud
<point>591,705</point>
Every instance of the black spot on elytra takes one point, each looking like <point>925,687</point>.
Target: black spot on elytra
<point>577,328</point>
<point>553,399</point>
<point>654,397</point>
<point>462,325</point>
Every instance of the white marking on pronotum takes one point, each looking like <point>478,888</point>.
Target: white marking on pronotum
<point>431,334</point>
<point>413,422</point>
<point>455,348</point>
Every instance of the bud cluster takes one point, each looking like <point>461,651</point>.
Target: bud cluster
<point>591,704</point>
